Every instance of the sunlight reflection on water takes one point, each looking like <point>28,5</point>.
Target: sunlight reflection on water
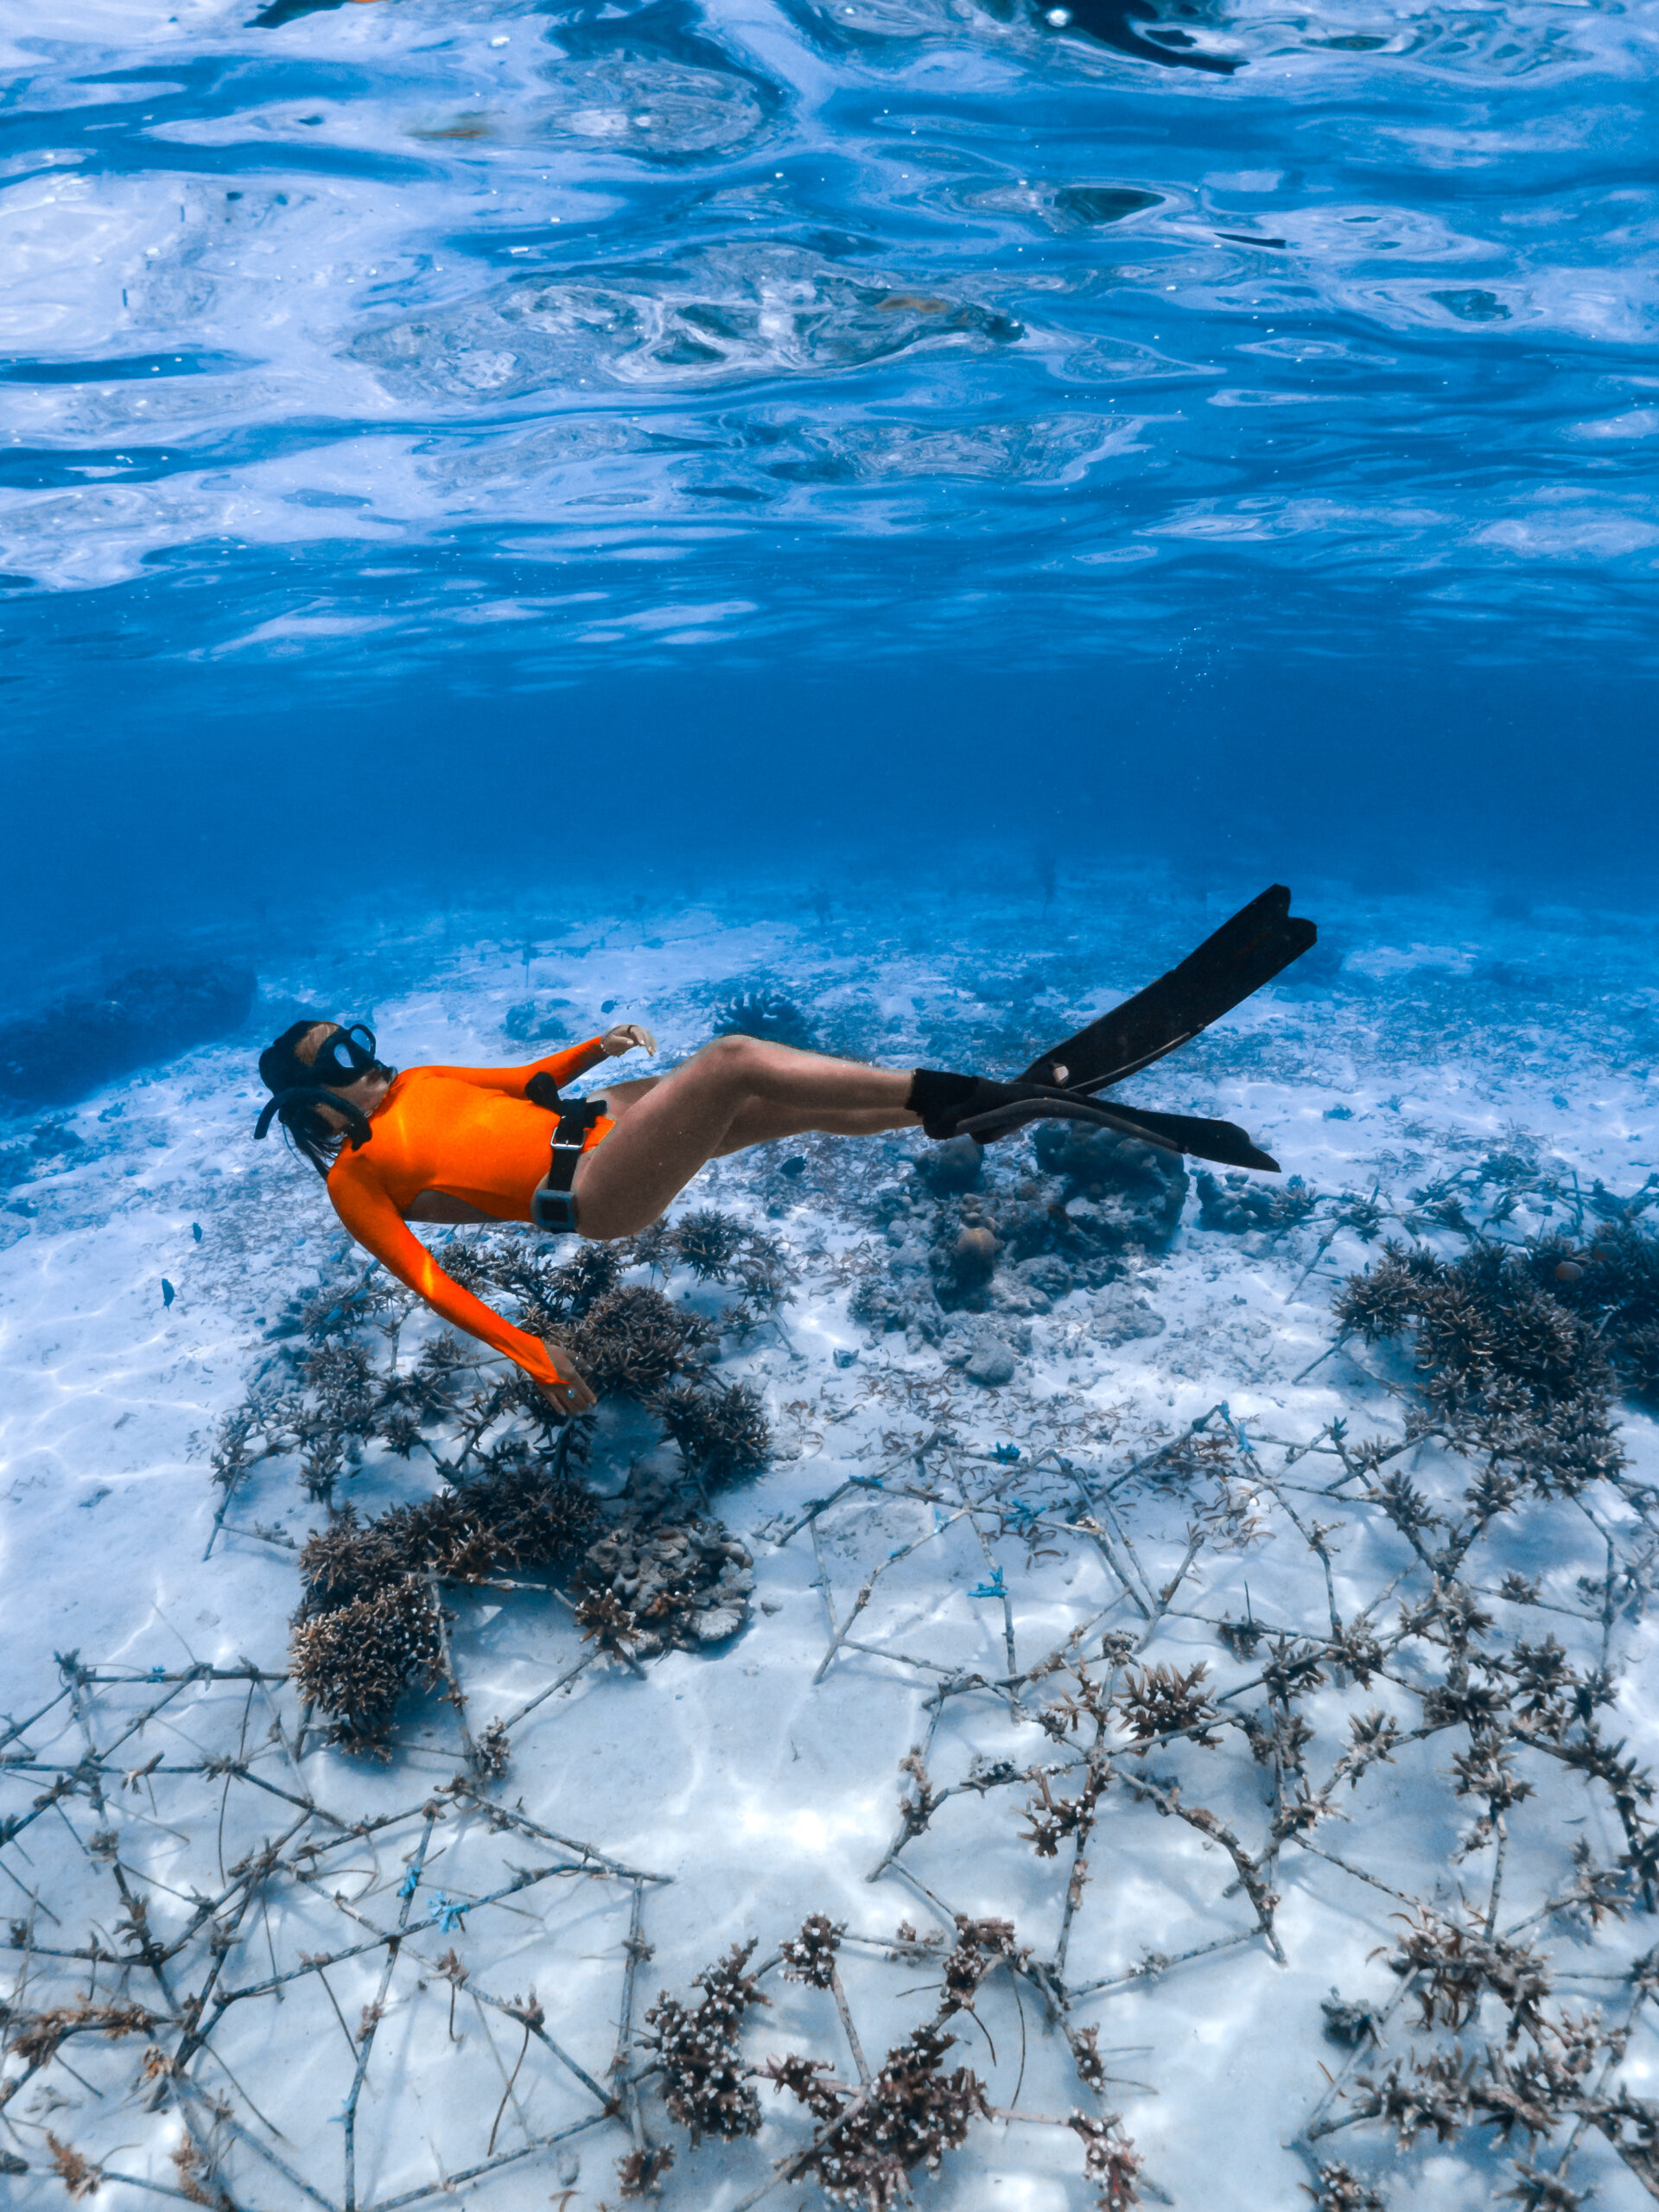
<point>1364,293</point>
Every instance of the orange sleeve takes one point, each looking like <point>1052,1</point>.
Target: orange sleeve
<point>380,1228</point>
<point>563,1067</point>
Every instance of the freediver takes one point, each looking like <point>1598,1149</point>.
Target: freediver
<point>455,1144</point>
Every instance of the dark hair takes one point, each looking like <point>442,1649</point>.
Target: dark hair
<point>282,1069</point>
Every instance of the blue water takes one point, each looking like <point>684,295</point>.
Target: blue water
<point>534,440</point>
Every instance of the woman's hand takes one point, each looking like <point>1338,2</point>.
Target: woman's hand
<point>626,1037</point>
<point>570,1394</point>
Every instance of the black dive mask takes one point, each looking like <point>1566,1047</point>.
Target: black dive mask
<point>346,1054</point>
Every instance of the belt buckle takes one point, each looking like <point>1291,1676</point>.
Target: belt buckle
<point>554,1211</point>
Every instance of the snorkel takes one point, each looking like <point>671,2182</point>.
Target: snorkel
<point>316,1094</point>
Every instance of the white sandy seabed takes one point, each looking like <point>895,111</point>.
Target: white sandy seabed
<point>756,1792</point>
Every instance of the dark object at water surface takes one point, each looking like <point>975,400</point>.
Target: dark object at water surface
<point>81,1041</point>
<point>287,11</point>
<point>1114,24</point>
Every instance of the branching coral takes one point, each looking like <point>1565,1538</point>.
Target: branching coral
<point>707,2083</point>
<point>872,2141</point>
<point>1508,1368</point>
<point>369,1626</point>
<point>355,1661</point>
<point>633,1341</point>
<point>765,1014</point>
<point>721,1432</point>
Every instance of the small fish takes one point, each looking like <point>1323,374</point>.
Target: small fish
<point>195,1230</point>
<point>167,1293</point>
<point>1568,1271</point>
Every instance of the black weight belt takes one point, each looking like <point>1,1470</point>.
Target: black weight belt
<point>553,1203</point>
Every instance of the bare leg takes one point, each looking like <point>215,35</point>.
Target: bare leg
<point>736,1091</point>
<point>761,1123</point>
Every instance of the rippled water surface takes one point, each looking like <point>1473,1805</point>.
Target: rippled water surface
<point>659,325</point>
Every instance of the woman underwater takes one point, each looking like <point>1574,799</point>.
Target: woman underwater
<point>451,1144</point>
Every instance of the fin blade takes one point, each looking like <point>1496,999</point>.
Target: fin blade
<point>1248,950</point>
<point>1222,1142</point>
<point>1019,1114</point>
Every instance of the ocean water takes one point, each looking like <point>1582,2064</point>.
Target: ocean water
<point>878,524</point>
<point>1211,437</point>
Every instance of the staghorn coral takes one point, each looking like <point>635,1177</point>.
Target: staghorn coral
<point>632,1340</point>
<point>870,2145</point>
<point>639,2173</point>
<point>810,1957</point>
<point>722,1433</point>
<point>526,1516</point>
<point>1110,2158</point>
<point>707,2084</point>
<point>1157,1700</point>
<point>1335,2187</point>
<point>708,1242</point>
<point>980,1946</point>
<point>1505,1366</point>
<point>718,1248</point>
<point>355,1661</point>
<point>368,1627</point>
<point>1452,1966</point>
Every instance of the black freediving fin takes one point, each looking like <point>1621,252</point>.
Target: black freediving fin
<point>1222,1142</point>
<point>1246,951</point>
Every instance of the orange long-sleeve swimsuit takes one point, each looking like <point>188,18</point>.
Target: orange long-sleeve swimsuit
<point>471,1134</point>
